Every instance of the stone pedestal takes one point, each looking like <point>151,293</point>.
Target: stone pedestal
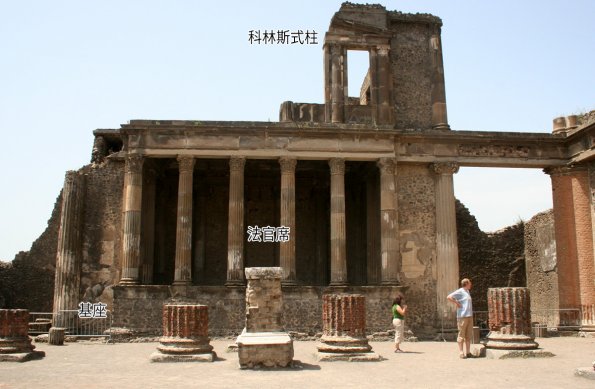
<point>56,336</point>
<point>15,344</point>
<point>510,319</point>
<point>263,341</point>
<point>344,329</point>
<point>185,335</point>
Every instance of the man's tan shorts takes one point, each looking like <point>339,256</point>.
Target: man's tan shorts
<point>465,326</point>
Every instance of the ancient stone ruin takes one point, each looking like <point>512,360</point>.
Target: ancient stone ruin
<point>364,184</point>
<point>263,341</point>
<point>185,335</point>
<point>15,344</point>
<point>344,329</point>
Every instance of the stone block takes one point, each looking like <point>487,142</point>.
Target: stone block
<point>15,344</point>
<point>265,349</point>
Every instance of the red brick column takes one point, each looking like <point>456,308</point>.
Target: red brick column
<point>344,329</point>
<point>185,334</point>
<point>574,242</point>
<point>509,312</point>
<point>344,315</point>
<point>15,344</point>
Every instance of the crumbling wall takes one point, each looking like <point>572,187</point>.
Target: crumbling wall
<point>101,242</point>
<point>541,261</point>
<point>489,260</point>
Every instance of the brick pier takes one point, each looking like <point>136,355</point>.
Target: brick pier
<point>15,344</point>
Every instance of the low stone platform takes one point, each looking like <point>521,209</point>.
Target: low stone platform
<point>268,349</point>
<point>507,354</point>
<point>22,357</point>
<point>585,372</point>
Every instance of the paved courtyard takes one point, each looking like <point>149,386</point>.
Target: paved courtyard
<point>426,365</point>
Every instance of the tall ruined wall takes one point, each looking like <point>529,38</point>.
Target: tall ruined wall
<point>417,229</point>
<point>489,260</point>
<point>101,245</point>
<point>541,262</point>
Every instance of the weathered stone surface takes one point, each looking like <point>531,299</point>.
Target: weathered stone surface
<point>185,335</point>
<point>478,350</point>
<point>15,344</point>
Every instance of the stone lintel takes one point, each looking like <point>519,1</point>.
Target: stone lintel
<point>266,273</point>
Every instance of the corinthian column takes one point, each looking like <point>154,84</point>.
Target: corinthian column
<point>68,258</point>
<point>447,251</point>
<point>287,249</point>
<point>338,234</point>
<point>235,226</point>
<point>133,189</point>
<point>389,244</point>
<point>183,262</point>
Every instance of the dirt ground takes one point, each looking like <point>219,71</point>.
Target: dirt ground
<point>425,365</point>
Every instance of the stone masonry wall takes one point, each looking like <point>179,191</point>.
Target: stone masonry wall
<point>417,231</point>
<point>139,307</point>
<point>411,71</point>
<point>489,260</point>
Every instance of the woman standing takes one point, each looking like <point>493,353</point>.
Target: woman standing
<point>399,310</point>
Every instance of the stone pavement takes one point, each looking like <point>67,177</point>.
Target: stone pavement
<point>427,365</point>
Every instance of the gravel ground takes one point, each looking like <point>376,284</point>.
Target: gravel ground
<point>425,365</point>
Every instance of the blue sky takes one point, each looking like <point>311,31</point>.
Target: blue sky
<point>69,67</point>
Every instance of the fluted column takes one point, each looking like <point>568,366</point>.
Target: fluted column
<point>133,182</point>
<point>389,244</point>
<point>148,228</point>
<point>287,249</point>
<point>68,257</point>
<point>338,231</point>
<point>447,251</point>
<point>337,84</point>
<point>235,227</point>
<point>183,262</point>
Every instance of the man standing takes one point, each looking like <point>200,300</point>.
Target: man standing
<point>462,299</point>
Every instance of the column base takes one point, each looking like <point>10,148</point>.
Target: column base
<point>129,281</point>
<point>289,283</point>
